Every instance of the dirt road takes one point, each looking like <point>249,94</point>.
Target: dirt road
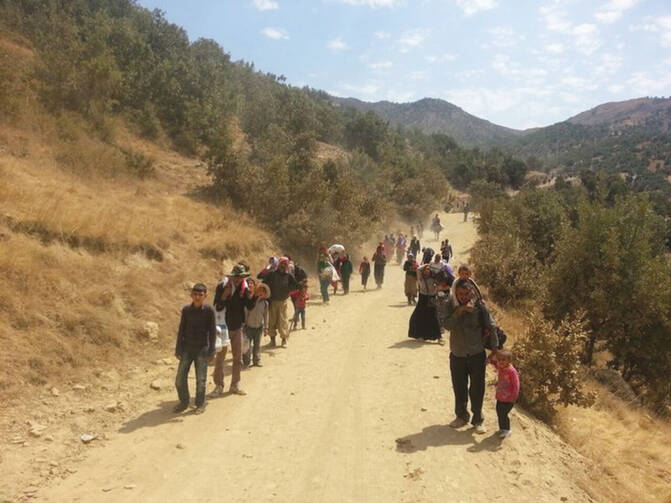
<point>352,411</point>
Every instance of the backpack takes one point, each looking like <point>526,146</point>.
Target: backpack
<point>486,339</point>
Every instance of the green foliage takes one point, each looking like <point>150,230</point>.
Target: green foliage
<point>548,359</point>
<point>612,265</point>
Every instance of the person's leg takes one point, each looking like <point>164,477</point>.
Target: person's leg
<point>459,386</point>
<point>236,350</point>
<point>302,313</point>
<point>324,286</point>
<point>476,390</point>
<point>502,411</point>
<point>254,334</point>
<point>273,315</point>
<point>181,380</point>
<point>218,374</point>
<point>283,323</point>
<point>201,377</point>
<point>246,347</point>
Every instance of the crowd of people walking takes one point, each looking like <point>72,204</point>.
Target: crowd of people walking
<point>244,309</point>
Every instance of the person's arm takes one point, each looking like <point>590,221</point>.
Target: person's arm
<point>266,315</point>
<point>490,325</point>
<point>293,284</point>
<point>212,333</point>
<point>180,335</point>
<point>514,383</point>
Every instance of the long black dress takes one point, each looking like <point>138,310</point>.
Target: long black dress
<point>424,319</point>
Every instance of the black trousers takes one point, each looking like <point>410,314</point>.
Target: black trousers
<point>502,410</point>
<point>464,369</point>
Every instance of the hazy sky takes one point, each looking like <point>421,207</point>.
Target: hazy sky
<point>518,63</point>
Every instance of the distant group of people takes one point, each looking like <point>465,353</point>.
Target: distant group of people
<point>454,303</point>
<point>243,310</point>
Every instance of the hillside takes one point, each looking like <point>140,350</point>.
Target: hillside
<point>651,113</point>
<point>431,115</point>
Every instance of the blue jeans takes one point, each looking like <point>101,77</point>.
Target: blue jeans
<point>199,359</point>
<point>300,313</point>
<point>324,286</point>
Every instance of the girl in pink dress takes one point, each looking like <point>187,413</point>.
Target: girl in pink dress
<point>507,388</point>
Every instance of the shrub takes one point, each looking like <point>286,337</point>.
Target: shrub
<point>548,359</point>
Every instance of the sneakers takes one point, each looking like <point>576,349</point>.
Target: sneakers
<point>272,342</point>
<point>218,390</point>
<point>200,409</point>
<point>458,423</point>
<point>237,391</point>
<point>284,343</point>
<point>180,407</point>
<point>258,364</point>
<point>504,433</point>
<point>480,429</point>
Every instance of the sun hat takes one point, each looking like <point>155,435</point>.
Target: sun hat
<point>239,270</point>
<point>264,287</point>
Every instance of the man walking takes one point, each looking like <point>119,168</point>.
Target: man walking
<point>237,297</point>
<point>195,344</point>
<point>467,320</point>
<point>281,283</point>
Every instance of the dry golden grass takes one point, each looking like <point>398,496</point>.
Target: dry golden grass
<point>87,259</point>
<point>629,448</point>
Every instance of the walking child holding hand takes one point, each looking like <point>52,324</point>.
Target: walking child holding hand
<point>507,388</point>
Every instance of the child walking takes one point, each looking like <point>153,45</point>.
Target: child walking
<point>301,297</point>
<point>364,270</point>
<point>507,388</point>
<point>257,323</point>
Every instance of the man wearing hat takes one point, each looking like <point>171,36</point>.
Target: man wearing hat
<point>195,344</point>
<point>281,283</point>
<point>237,297</point>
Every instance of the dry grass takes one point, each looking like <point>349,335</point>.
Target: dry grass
<point>629,448</point>
<point>86,260</point>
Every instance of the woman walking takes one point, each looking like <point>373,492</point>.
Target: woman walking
<point>424,320</point>
<point>380,260</point>
<point>410,268</point>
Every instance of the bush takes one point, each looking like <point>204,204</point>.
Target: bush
<point>548,359</point>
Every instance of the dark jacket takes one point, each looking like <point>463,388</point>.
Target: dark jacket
<point>466,330</point>
<point>197,330</point>
<point>410,268</point>
<point>299,273</point>
<point>346,268</point>
<point>281,284</point>
<point>235,308</point>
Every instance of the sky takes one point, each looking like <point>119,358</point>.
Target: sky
<point>517,63</point>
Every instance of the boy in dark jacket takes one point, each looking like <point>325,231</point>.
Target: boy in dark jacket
<point>195,344</point>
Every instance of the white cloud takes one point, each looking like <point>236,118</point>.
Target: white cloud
<point>471,7</point>
<point>366,89</point>
<point>504,36</point>
<point>381,65</point>
<point>554,48</point>
<point>374,4</point>
<point>613,10</point>
<point>608,66</point>
<point>555,17</point>
<point>413,38</point>
<point>578,83</point>
<point>649,84</point>
<point>276,33</point>
<point>442,58</point>
<point>399,96</point>
<point>514,70</point>
<point>265,4</point>
<point>382,35</point>
<point>661,25</point>
<point>337,44</point>
<point>586,38</point>
<point>419,75</point>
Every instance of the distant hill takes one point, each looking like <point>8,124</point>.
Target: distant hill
<point>653,113</point>
<point>631,136</point>
<point>431,115</point>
